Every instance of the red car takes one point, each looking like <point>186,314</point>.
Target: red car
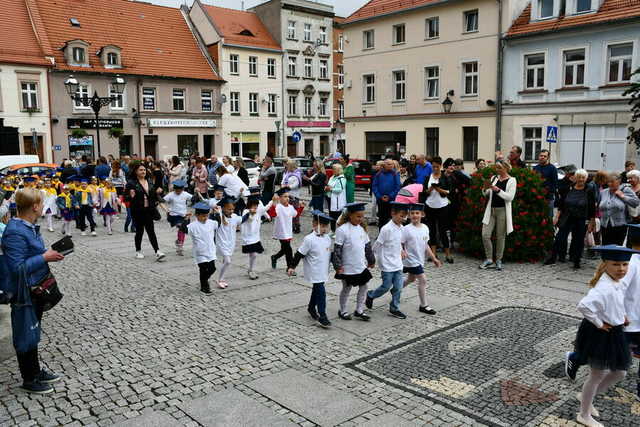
<point>362,169</point>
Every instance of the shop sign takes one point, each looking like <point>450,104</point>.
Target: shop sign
<point>182,123</point>
<point>91,123</point>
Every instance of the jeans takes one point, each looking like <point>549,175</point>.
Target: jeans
<point>129,221</point>
<point>29,362</point>
<point>551,202</point>
<point>318,299</point>
<point>391,280</point>
<point>578,229</point>
<point>317,203</point>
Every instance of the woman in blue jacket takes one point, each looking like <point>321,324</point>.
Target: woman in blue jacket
<point>22,244</point>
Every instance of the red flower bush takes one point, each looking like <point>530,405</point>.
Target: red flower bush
<point>532,234</point>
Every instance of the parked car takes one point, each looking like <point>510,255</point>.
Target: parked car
<point>362,169</point>
<point>304,163</point>
<point>13,160</point>
<point>29,168</point>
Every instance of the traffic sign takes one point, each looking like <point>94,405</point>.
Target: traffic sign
<point>296,136</point>
<point>57,147</point>
<point>552,134</point>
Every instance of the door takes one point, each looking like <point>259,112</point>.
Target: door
<point>308,147</point>
<point>324,145</point>
<point>604,147</point>
<point>125,145</point>
<point>31,148</point>
<point>292,147</point>
<point>9,140</point>
<point>271,142</point>
<point>151,146</point>
<point>187,146</point>
<point>208,145</point>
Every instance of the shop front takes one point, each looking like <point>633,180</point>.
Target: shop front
<point>166,137</point>
<point>314,138</point>
<point>245,144</point>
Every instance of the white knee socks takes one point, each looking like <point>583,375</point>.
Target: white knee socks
<point>597,382</point>
<point>226,262</point>
<point>252,260</point>
<point>50,221</point>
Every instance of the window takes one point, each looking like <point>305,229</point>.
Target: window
<point>432,140</point>
<point>574,67</point>
<point>307,32</point>
<point>29,91</point>
<point>534,71</point>
<point>112,59</point>
<point>292,66</point>
<point>308,67</point>
<point>307,106</point>
<point>469,143</point>
<point>341,75</point>
<point>324,69</point>
<point>369,88</point>
<point>432,28</point>
<point>470,70</point>
<point>399,35</point>
<point>118,102</point>
<point>545,8</point>
<point>620,62</point>
<point>341,110</point>
<point>583,6</point>
<point>178,99</point>
<point>83,92</point>
<point>293,105</point>
<point>271,67</point>
<point>399,85</point>
<point>234,64</point>
<point>234,102</point>
<point>532,143</point>
<point>432,82</point>
<point>471,21</point>
<point>148,98</point>
<point>206,97</point>
<point>79,55</point>
<point>253,103</point>
<point>253,66</point>
<point>291,30</point>
<point>271,104</point>
<point>323,35</point>
<point>368,41</point>
<point>340,43</point>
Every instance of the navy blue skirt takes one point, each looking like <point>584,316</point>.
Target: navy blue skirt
<point>413,270</point>
<point>175,220</point>
<point>254,248</point>
<point>356,279</point>
<point>601,349</point>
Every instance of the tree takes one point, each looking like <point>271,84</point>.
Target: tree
<point>634,101</point>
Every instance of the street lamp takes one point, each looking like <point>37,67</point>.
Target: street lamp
<point>447,103</point>
<point>95,102</point>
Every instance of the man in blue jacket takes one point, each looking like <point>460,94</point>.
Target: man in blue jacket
<point>549,174</point>
<point>386,185</point>
<point>423,169</point>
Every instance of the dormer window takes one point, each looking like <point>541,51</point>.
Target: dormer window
<point>79,55</point>
<point>110,56</point>
<point>583,6</point>
<point>75,52</point>
<point>545,9</point>
<point>112,59</point>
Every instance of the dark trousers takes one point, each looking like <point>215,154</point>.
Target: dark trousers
<point>29,362</point>
<point>206,271</point>
<point>266,197</point>
<point>86,213</point>
<point>129,221</point>
<point>438,222</point>
<point>335,215</point>
<point>318,299</point>
<point>295,202</point>
<point>578,229</point>
<point>240,205</point>
<point>613,235</point>
<point>317,203</point>
<point>144,222</point>
<point>286,251</point>
<point>384,213</point>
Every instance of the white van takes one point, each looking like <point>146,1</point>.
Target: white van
<point>6,161</point>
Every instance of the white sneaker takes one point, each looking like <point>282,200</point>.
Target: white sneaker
<point>252,275</point>
<point>109,233</point>
<point>139,255</point>
<point>93,233</point>
<point>50,230</point>
<point>593,410</point>
<point>84,233</point>
<point>159,256</point>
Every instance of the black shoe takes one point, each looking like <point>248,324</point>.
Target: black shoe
<point>344,316</point>
<point>398,314</point>
<point>274,262</point>
<point>206,290</point>
<point>361,316</point>
<point>369,302</point>
<point>324,322</point>
<point>46,377</point>
<point>550,261</point>
<point>562,259</point>
<point>570,366</point>
<point>576,265</point>
<point>36,387</point>
<point>126,229</point>
<point>449,260</point>
<point>312,312</point>
<point>427,310</point>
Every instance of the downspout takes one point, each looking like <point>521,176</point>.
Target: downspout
<point>285,95</point>
<point>51,150</point>
<point>139,124</point>
<point>499,82</point>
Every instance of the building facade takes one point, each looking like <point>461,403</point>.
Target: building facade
<point>24,87</point>
<point>250,62</point>
<point>304,30</point>
<point>339,133</point>
<point>565,72</point>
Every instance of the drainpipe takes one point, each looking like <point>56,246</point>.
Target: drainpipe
<point>51,150</point>
<point>139,124</point>
<point>284,95</point>
<point>499,82</point>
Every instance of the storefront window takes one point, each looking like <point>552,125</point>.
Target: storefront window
<point>187,145</point>
<point>245,144</point>
<point>79,147</point>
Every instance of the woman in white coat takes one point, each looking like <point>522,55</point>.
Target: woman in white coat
<point>500,191</point>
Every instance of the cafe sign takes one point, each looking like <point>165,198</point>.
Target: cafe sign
<point>91,123</point>
<point>181,123</point>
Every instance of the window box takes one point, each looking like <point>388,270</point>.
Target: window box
<point>572,89</point>
<point>234,114</point>
<point>532,91</point>
<point>615,85</point>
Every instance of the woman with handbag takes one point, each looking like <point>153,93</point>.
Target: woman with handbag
<point>614,204</point>
<point>144,208</point>
<point>26,259</point>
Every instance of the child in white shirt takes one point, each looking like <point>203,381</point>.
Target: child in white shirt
<point>218,194</point>
<point>283,225</point>
<point>415,242</point>
<point>226,235</point>
<point>178,215</point>
<point>316,252</point>
<point>202,232</point>
<point>389,252</point>
<point>250,230</point>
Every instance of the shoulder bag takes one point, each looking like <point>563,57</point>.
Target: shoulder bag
<point>24,322</point>
<point>46,294</point>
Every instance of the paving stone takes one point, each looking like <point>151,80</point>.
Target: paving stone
<point>286,302</point>
<point>387,420</point>
<point>150,419</point>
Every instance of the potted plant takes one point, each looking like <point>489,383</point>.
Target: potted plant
<point>115,133</point>
<point>78,133</point>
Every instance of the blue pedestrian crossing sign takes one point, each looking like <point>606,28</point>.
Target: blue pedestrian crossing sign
<point>552,134</point>
<point>296,136</point>
<point>57,147</point>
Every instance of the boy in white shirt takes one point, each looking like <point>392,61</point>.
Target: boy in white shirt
<point>250,230</point>
<point>283,225</point>
<point>389,253</point>
<point>316,252</point>
<point>202,232</point>
<point>226,235</point>
<point>218,194</point>
<point>178,215</point>
<point>415,242</point>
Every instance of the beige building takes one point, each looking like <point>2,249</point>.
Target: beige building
<point>406,67</point>
<point>250,62</point>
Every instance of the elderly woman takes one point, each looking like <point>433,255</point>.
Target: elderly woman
<point>575,208</point>
<point>633,179</point>
<point>337,193</point>
<point>350,176</point>
<point>500,191</point>
<point>292,179</point>
<point>317,182</point>
<point>175,171</point>
<point>23,247</point>
<point>614,205</point>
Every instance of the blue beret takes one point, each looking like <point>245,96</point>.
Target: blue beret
<point>615,252</point>
<point>201,207</point>
<point>355,207</point>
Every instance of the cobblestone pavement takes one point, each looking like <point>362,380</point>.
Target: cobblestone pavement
<point>137,344</point>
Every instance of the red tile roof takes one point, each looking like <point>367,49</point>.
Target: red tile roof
<point>230,23</point>
<point>18,41</point>
<point>383,7</point>
<point>610,11</point>
<point>155,40</point>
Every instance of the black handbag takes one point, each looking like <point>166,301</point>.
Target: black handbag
<point>46,294</point>
<point>155,214</point>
